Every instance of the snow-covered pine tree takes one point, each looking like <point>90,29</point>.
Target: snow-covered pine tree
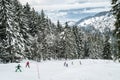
<point>33,30</point>
<point>116,13</point>
<point>106,50</point>
<point>79,41</point>
<point>44,32</point>
<point>28,30</point>
<point>33,22</point>
<point>59,26</point>
<point>22,20</point>
<point>50,39</point>
<point>69,40</point>
<point>86,49</point>
<point>58,43</point>
<point>107,46</point>
<point>9,30</point>
<point>93,44</point>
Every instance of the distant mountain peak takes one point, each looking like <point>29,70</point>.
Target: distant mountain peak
<point>99,21</point>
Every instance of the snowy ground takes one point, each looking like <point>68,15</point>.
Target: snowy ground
<point>55,70</point>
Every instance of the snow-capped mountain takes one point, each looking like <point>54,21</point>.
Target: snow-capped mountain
<point>100,21</point>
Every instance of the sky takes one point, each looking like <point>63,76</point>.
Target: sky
<point>66,10</point>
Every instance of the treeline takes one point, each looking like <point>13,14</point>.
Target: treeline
<point>25,33</point>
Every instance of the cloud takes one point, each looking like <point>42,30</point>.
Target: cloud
<point>97,10</point>
<point>64,4</point>
<point>57,16</point>
<point>53,8</point>
<point>47,2</point>
<point>61,14</point>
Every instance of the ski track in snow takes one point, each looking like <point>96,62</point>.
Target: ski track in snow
<point>55,70</point>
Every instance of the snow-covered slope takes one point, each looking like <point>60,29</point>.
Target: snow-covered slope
<point>99,21</point>
<point>55,70</point>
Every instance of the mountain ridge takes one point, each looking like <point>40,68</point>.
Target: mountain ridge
<point>99,21</point>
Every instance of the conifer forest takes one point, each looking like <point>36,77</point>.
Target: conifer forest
<point>28,34</point>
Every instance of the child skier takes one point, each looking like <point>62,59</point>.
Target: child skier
<point>18,68</point>
<point>27,64</point>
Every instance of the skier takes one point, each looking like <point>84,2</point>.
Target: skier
<point>18,68</point>
<point>80,62</point>
<point>64,63</point>
<point>72,62</point>
<point>28,64</point>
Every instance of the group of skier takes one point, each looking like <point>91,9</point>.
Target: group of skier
<point>66,64</point>
<point>18,67</point>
